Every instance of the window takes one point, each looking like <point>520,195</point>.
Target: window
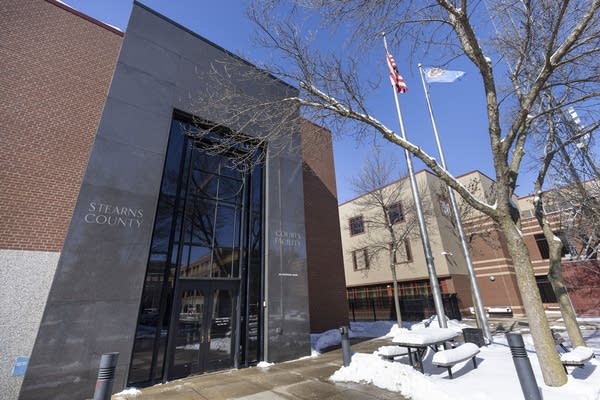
<point>542,245</point>
<point>360,259</point>
<point>545,288</point>
<point>356,225</point>
<point>395,213</point>
<point>404,253</point>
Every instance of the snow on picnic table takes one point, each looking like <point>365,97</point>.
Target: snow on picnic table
<point>494,379</point>
<point>374,329</point>
<point>424,336</point>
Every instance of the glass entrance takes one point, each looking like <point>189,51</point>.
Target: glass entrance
<point>201,304</point>
<point>203,338</point>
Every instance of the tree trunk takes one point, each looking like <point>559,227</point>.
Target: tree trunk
<point>552,369</point>
<point>566,307</point>
<point>395,285</point>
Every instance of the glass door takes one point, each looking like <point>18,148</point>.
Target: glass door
<point>203,337</point>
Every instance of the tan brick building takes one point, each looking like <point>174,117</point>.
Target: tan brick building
<point>369,286</point>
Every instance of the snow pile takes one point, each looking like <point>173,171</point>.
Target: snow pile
<point>264,364</point>
<point>396,331</point>
<point>494,379</point>
<point>396,377</point>
<point>333,337</point>
<point>321,341</point>
<point>129,393</point>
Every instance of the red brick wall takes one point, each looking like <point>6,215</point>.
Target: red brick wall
<point>583,282</point>
<point>326,281</point>
<point>56,67</point>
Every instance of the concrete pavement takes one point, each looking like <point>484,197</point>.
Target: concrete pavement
<point>303,379</point>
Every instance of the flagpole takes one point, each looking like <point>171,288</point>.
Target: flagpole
<point>435,285</point>
<point>479,311</point>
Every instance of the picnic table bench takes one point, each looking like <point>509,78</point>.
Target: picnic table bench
<point>391,352</point>
<point>449,358</point>
<point>576,357</point>
<point>417,341</point>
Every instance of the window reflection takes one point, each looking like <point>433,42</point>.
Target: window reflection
<point>208,213</point>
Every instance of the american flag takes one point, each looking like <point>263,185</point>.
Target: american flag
<point>395,77</point>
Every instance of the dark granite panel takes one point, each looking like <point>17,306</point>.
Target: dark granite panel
<point>140,89</point>
<point>158,30</point>
<point>147,130</point>
<point>96,291</point>
<point>292,192</point>
<point>108,243</point>
<point>288,324</point>
<point>124,167</point>
<point>77,334</point>
<point>151,58</point>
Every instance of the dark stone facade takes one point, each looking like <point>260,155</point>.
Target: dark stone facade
<point>94,299</point>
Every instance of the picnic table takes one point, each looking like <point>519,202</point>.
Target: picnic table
<point>417,341</point>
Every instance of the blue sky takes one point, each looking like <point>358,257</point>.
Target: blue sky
<point>459,107</point>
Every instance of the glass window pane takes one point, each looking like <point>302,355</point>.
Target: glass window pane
<point>220,351</point>
<point>200,262</point>
<point>230,190</point>
<point>204,184</point>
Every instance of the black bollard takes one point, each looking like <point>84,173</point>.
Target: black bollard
<point>523,366</point>
<point>106,374</point>
<point>346,353</point>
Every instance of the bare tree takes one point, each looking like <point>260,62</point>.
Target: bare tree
<point>561,135</point>
<point>388,215</point>
<point>542,47</point>
<point>546,45</point>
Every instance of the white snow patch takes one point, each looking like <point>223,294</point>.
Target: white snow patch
<point>578,354</point>
<point>128,392</point>
<point>453,356</point>
<point>264,364</point>
<point>425,336</point>
<point>494,379</point>
<point>396,377</point>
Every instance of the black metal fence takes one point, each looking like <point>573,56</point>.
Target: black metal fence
<point>414,308</point>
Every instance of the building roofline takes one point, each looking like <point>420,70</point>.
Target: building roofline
<point>389,184</point>
<point>213,44</point>
<point>316,125</point>
<point>101,24</point>
<point>472,172</point>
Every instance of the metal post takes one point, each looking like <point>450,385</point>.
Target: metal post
<point>478,303</point>
<point>433,279</point>
<point>523,366</point>
<point>346,353</point>
<point>373,309</point>
<point>106,374</point>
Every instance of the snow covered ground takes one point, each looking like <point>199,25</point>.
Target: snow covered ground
<point>494,379</point>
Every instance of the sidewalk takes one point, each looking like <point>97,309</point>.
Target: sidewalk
<point>301,379</point>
